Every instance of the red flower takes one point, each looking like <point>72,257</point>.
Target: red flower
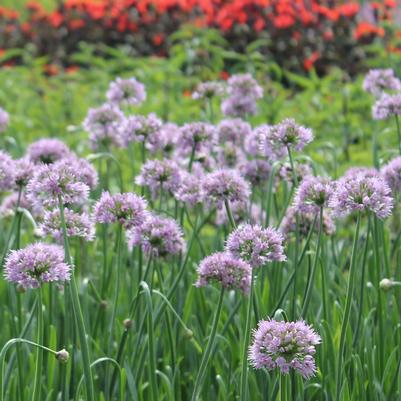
<point>311,60</point>
<point>76,24</point>
<point>348,10</point>
<point>158,39</point>
<point>51,69</point>
<point>224,75</point>
<point>259,24</point>
<point>366,29</point>
<point>72,69</point>
<point>56,19</point>
<point>283,21</point>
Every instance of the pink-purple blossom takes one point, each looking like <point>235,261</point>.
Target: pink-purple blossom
<point>126,92</point>
<point>387,106</point>
<point>4,120</point>
<point>7,172</point>
<point>47,151</point>
<point>378,81</point>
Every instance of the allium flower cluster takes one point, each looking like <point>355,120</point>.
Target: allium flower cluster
<point>84,170</point>
<point>387,106</point>
<point>36,264</point>
<point>313,194</point>
<point>379,80</point>
<point>126,92</point>
<point>126,209</point>
<point>233,130</point>
<point>229,271</point>
<point>158,236</point>
<point>47,151</point>
<point>252,143</point>
<point>159,175</point>
<point>189,189</point>
<point>207,90</point>
<point>164,139</point>
<point>284,345</point>
<point>24,170</point>
<point>197,136</point>
<point>256,245</point>
<point>302,170</point>
<point>243,91</point>
<point>10,202</point>
<point>361,172</point>
<point>305,221</point>
<point>224,185</point>
<point>392,174</point>
<point>241,214</point>
<point>77,225</point>
<point>4,120</point>
<point>53,181</point>
<point>256,171</point>
<point>287,134</point>
<point>140,128</point>
<point>363,194</point>
<point>229,155</point>
<point>104,126</point>
<point>7,172</point>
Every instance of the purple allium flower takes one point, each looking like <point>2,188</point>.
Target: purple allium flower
<point>241,214</point>
<point>313,193</point>
<point>387,106</point>
<point>305,221</point>
<point>361,193</point>
<point>207,90</point>
<point>51,181</point>
<point>164,139</point>
<point>126,92</point>
<point>302,170</point>
<point>233,130</point>
<point>236,106</point>
<point>36,264</point>
<point>392,174</point>
<point>127,209</point>
<point>224,185</point>
<point>284,345</point>
<point>7,172</point>
<point>361,172</point>
<point>380,80</point>
<point>197,135</point>
<point>256,245</point>
<point>159,175</point>
<point>77,224</point>
<point>229,155</point>
<point>255,171</point>
<point>252,143</point>
<point>189,189</point>
<point>47,151</point>
<point>140,128</point>
<point>287,134</point>
<point>104,126</point>
<point>158,236</point>
<point>229,271</point>
<point>7,207</point>
<point>4,120</point>
<point>24,170</point>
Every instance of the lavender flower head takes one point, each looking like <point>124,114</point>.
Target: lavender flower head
<point>392,175</point>
<point>84,170</point>
<point>189,189</point>
<point>241,213</point>
<point>53,181</point>
<point>77,225</point>
<point>224,185</point>
<point>361,172</point>
<point>379,80</point>
<point>313,194</point>
<point>233,130</point>
<point>127,209</point>
<point>10,202</point>
<point>103,125</point>
<point>302,170</point>
<point>159,175</point>
<point>252,143</point>
<point>229,155</point>
<point>207,90</point>
<point>140,128</point>
<point>387,106</point>
<point>126,92</point>
<point>364,194</point>
<point>4,120</point>
<point>256,171</point>
<point>158,236</point>
<point>256,245</point>
<point>36,264</point>
<point>164,139</point>
<point>197,136</point>
<point>7,172</point>
<point>236,106</point>
<point>24,170</point>
<point>229,271</point>
<point>284,345</point>
<point>47,151</point>
<point>285,135</point>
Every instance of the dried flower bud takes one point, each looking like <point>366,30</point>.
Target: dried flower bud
<point>62,356</point>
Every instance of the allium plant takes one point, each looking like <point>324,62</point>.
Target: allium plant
<point>124,92</point>
<point>256,245</point>
<point>284,346</point>
<point>158,237</point>
<point>7,172</point>
<point>197,136</point>
<point>164,139</point>
<point>24,170</point>
<point>241,213</point>
<point>11,202</point>
<point>139,128</point>
<point>378,81</point>
<point>229,155</point>
<point>189,189</point>
<point>256,171</point>
<point>208,90</point>
<point>392,175</point>
<point>387,106</point>
<point>127,209</point>
<point>4,120</point>
<point>302,170</point>
<point>47,151</point>
<point>233,130</point>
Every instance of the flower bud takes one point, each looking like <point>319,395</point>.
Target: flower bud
<point>128,323</point>
<point>62,356</point>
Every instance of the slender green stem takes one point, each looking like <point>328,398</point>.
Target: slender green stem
<point>229,213</point>
<point>79,319</point>
<point>244,360</point>
<point>192,158</point>
<point>208,350</point>
<point>397,122</point>
<point>347,310</point>
<point>283,388</point>
<point>39,352</point>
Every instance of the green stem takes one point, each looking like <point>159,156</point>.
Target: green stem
<point>39,352</point>
<point>79,319</point>
<point>244,360</point>
<point>208,350</point>
<point>283,387</point>
<point>397,122</point>
<point>229,213</point>
<point>347,311</point>
<point>191,160</point>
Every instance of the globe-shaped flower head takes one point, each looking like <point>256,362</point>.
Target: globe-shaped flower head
<point>126,92</point>
<point>233,130</point>
<point>36,264</point>
<point>207,90</point>
<point>47,151</point>
<point>392,174</point>
<point>4,120</point>
<point>7,172</point>
<point>140,128</point>
<point>197,136</point>
<point>379,80</point>
<point>24,170</point>
<point>189,189</point>
<point>284,345</point>
<point>387,106</point>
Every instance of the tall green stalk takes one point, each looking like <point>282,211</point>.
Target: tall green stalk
<point>347,311</point>
<point>39,351</point>
<point>397,122</point>
<point>79,319</point>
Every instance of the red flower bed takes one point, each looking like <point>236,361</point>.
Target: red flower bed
<point>298,34</point>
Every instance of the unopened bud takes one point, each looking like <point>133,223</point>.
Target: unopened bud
<point>189,334</point>
<point>62,356</point>
<point>128,323</point>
